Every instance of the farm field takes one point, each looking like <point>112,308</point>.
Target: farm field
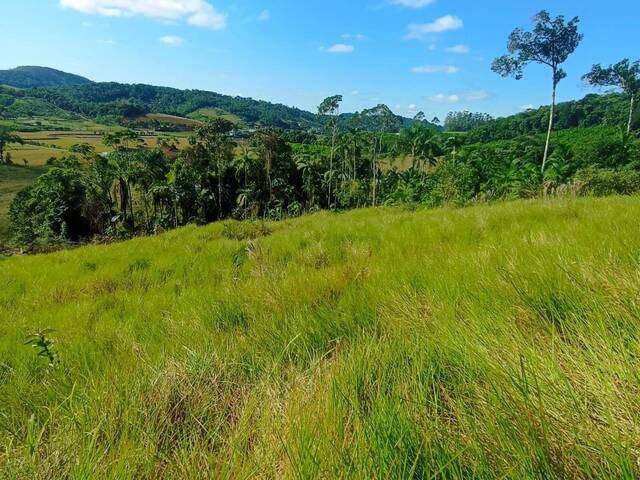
<point>487,342</point>
<point>41,146</point>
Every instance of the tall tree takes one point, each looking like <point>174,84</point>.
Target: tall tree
<point>215,148</point>
<point>550,43</point>
<point>623,75</point>
<point>330,107</point>
<point>7,137</point>
<point>380,120</point>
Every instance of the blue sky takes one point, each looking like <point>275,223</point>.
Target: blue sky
<point>413,55</point>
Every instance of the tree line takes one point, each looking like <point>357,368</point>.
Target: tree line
<point>369,158</point>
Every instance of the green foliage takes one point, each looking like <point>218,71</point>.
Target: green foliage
<point>550,43</point>
<point>602,182</point>
<point>465,121</point>
<point>44,345</point>
<point>50,210</point>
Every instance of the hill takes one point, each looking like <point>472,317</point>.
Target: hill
<point>493,341</point>
<point>56,94</point>
<point>592,110</point>
<point>34,77</point>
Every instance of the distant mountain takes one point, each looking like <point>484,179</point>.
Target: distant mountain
<point>38,77</point>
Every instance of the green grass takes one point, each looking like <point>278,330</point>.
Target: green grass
<point>489,342</point>
<point>12,180</point>
<point>204,114</point>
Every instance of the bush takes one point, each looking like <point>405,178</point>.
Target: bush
<point>246,230</point>
<point>602,182</point>
<point>455,183</point>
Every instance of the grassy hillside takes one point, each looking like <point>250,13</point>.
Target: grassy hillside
<point>496,341</point>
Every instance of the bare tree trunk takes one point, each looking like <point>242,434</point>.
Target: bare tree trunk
<point>631,108</point>
<point>551,114</point>
<point>219,191</point>
<point>333,149</point>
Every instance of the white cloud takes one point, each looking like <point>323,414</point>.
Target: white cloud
<point>357,36</point>
<point>461,49</point>
<point>471,96</point>
<point>172,41</point>
<point>442,98</point>
<point>413,3</point>
<point>412,106</point>
<point>418,31</point>
<point>432,47</point>
<point>448,69</point>
<point>106,42</point>
<point>199,13</point>
<point>355,92</point>
<point>264,15</point>
<point>339,48</point>
<point>528,106</point>
<point>86,24</point>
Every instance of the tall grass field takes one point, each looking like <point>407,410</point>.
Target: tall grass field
<point>488,342</point>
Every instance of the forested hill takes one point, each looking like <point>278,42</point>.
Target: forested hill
<point>34,77</point>
<point>117,103</point>
<point>592,110</point>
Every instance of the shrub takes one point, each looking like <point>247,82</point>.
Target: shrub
<point>455,183</point>
<point>602,182</point>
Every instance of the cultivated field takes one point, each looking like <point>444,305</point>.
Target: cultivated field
<point>494,341</point>
<point>41,146</point>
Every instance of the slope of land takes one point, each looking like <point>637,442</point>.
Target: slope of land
<point>34,77</point>
<point>494,341</point>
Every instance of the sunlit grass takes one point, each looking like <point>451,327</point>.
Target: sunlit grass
<point>492,342</point>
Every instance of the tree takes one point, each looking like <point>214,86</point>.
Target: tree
<point>216,146</point>
<point>7,137</point>
<point>380,119</point>
<point>331,106</point>
<point>623,75</point>
<point>275,153</point>
<point>550,43</point>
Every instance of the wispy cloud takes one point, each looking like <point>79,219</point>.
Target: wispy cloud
<point>417,31</point>
<point>172,41</point>
<point>357,36</point>
<point>459,49</point>
<point>338,48</point>
<point>413,3</point>
<point>449,69</point>
<point>198,13</point>
<point>106,42</point>
<point>471,96</point>
<point>264,16</point>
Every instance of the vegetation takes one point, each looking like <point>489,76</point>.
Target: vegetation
<point>624,76</point>
<point>493,341</point>
<point>550,43</point>
<point>228,335</point>
<point>32,77</point>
